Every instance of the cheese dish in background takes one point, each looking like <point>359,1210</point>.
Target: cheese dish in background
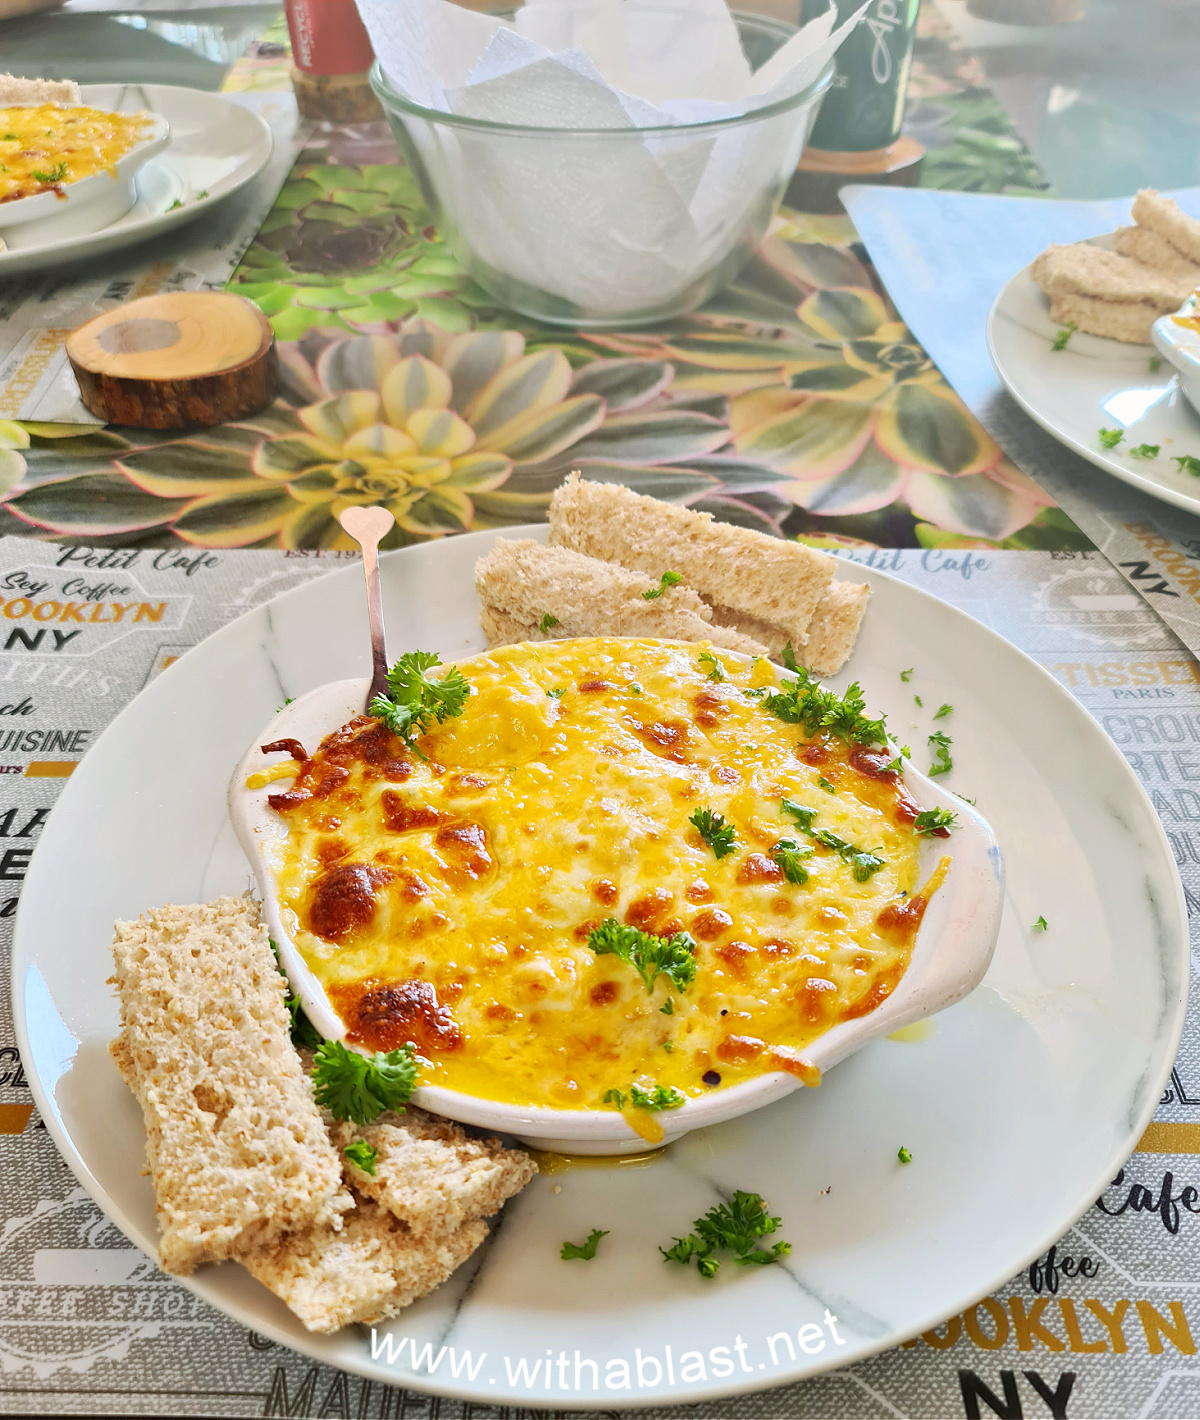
<point>43,148</point>
<point>472,893</point>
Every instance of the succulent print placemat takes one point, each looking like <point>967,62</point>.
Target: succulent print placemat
<point>796,402</point>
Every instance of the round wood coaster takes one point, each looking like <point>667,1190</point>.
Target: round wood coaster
<point>176,361</point>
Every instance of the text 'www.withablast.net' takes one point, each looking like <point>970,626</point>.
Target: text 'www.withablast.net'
<point>569,1372</point>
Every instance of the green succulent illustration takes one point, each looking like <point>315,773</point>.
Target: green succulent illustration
<point>354,248</point>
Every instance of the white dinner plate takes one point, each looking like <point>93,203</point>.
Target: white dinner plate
<point>1062,1052</point>
<point>216,147</point>
<point>1096,384</point>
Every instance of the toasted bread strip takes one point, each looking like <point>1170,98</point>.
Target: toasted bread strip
<point>372,1268</point>
<point>1117,320</point>
<point>430,1173</point>
<point>1083,270</point>
<point>235,1144</point>
<point>834,627</point>
<point>768,578</point>
<point>1162,215</point>
<point>1154,250</point>
<point>27,93</point>
<point>521,582</point>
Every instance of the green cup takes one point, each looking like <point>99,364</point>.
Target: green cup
<point>864,108</point>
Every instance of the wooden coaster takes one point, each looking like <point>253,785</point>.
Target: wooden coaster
<point>821,173</point>
<point>176,361</point>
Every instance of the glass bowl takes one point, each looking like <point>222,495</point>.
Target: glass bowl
<point>607,227</point>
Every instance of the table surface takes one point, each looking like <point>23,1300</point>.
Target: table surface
<point>1106,105</point>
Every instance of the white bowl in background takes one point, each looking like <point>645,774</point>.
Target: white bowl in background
<point>951,954</point>
<point>84,206</point>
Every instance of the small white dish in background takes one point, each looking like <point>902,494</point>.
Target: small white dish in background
<point>216,146</point>
<point>77,209</point>
<point>951,954</point>
<point>1093,384</point>
<point>1179,344</point>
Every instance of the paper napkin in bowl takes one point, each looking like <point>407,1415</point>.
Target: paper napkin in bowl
<point>606,223</point>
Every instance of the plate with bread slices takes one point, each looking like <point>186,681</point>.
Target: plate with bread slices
<point>616,1004</point>
<point>1074,339</point>
<point>89,170</point>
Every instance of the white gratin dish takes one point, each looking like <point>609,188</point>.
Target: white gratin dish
<point>85,206</point>
<point>1180,344</point>
<point>952,952</point>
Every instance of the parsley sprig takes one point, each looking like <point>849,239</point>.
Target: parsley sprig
<point>56,174</point>
<point>862,863</point>
<point>718,834</point>
<point>712,667</point>
<point>362,1155</point>
<point>1110,438</point>
<point>790,856</point>
<point>304,1034</point>
<point>414,703</point>
<point>650,956</point>
<point>585,1250</point>
<point>668,579</point>
<point>928,821</point>
<point>806,702</point>
<point>360,1087</point>
<point>736,1227</point>
<point>1188,463</point>
<point>942,763</point>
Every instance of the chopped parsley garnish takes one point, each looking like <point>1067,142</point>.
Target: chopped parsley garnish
<point>557,693</point>
<point>920,702</point>
<point>943,711</point>
<point>660,1097</point>
<point>10,137</point>
<point>668,579</point>
<point>904,1155</point>
<point>907,675</point>
<point>1041,925</point>
<point>635,688</point>
<point>650,956</point>
<point>1145,451</point>
<point>56,174</point>
<point>669,1046</point>
<point>1188,463</point>
<point>360,1087</point>
<point>414,703</point>
<point>928,821</point>
<point>1060,340</point>
<point>963,797</point>
<point>668,1007</point>
<point>942,763</point>
<point>547,622</point>
<point>1110,438</point>
<point>788,657</point>
<point>718,834</point>
<point>202,194</point>
<point>862,863</point>
<point>897,765</point>
<point>805,702</point>
<point>823,783</point>
<point>790,856</point>
<point>1155,364</point>
<point>362,1155</point>
<point>584,1251</point>
<point>712,667</point>
<point>734,1227</point>
<point>175,206</point>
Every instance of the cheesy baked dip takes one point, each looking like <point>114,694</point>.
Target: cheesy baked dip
<point>46,146</point>
<point>617,872</point>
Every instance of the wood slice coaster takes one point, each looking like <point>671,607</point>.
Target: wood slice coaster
<point>176,361</point>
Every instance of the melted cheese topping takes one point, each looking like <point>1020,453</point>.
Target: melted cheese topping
<point>42,148</point>
<point>448,901</point>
